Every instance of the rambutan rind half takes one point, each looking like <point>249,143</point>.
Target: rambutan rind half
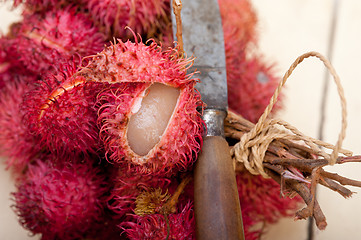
<point>179,144</point>
<point>136,67</point>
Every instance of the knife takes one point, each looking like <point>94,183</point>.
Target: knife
<point>216,202</point>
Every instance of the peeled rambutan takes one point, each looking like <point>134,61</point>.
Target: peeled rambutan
<point>179,225</point>
<point>42,41</point>
<point>60,199</point>
<point>61,112</point>
<point>112,16</point>
<point>149,118</point>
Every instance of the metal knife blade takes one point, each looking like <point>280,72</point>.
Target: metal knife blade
<point>202,28</point>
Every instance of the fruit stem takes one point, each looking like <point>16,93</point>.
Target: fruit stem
<point>177,8</point>
<point>169,206</point>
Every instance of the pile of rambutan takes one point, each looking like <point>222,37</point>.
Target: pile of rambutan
<point>101,123</point>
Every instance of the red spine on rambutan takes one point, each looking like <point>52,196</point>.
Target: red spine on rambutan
<point>61,111</point>
<point>45,40</point>
<point>112,16</point>
<point>135,67</point>
<point>60,200</point>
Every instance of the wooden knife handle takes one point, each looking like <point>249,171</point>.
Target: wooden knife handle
<point>216,202</point>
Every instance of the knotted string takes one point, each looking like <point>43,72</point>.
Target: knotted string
<point>253,145</point>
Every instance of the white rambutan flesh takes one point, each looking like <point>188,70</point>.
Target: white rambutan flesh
<point>147,125</point>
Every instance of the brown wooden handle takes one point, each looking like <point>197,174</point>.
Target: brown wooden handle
<point>216,202</point>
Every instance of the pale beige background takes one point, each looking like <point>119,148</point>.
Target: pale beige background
<point>287,29</point>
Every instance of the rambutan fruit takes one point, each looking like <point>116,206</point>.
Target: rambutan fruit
<point>239,22</point>
<point>10,68</point>
<point>60,199</point>
<point>112,16</point>
<point>179,225</point>
<point>32,6</point>
<point>128,185</point>
<point>16,144</point>
<point>251,84</point>
<point>61,111</point>
<point>149,119</point>
<point>56,36</point>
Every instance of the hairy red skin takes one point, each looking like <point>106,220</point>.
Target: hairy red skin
<point>31,6</point>
<point>60,200</point>
<point>134,66</point>
<point>239,22</point>
<point>42,41</point>
<point>11,69</point>
<point>16,144</point>
<point>61,111</point>
<point>154,226</point>
<point>112,16</point>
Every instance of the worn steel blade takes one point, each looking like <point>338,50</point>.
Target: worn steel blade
<point>203,38</point>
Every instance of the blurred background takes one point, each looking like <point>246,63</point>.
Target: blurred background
<point>286,30</point>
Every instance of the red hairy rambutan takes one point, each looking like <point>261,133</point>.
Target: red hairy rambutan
<point>128,185</point>
<point>179,225</point>
<point>10,68</point>
<point>60,199</point>
<point>239,22</point>
<point>112,16</point>
<point>61,111</point>
<point>45,40</point>
<point>251,84</point>
<point>129,112</point>
<point>44,5</point>
<point>15,141</point>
